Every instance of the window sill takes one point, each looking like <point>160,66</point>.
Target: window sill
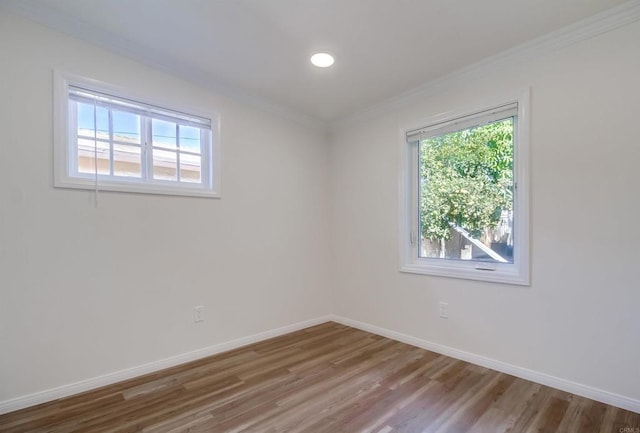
<point>507,275</point>
<point>141,188</point>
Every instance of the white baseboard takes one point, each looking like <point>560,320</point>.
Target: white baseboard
<point>118,376</point>
<point>524,373</point>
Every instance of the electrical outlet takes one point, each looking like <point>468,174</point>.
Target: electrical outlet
<point>198,314</point>
<point>444,310</point>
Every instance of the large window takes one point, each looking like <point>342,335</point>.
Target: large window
<point>107,140</point>
<point>466,196</point>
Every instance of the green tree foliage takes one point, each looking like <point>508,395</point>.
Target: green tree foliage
<point>466,179</point>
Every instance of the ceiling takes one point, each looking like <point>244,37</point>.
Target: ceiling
<point>261,48</point>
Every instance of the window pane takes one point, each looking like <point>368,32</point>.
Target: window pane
<point>126,127</point>
<point>190,168</point>
<point>86,121</point>
<point>127,161</point>
<point>190,139</point>
<point>86,156</point>
<point>466,194</point>
<point>163,134</point>
<point>165,165</point>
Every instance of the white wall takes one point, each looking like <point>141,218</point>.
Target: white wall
<point>580,319</point>
<point>87,291</point>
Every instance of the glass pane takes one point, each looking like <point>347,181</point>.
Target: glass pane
<point>86,121</point>
<point>466,194</point>
<point>163,134</point>
<point>127,161</point>
<point>165,165</point>
<point>190,168</point>
<point>126,127</point>
<point>86,156</point>
<point>190,139</point>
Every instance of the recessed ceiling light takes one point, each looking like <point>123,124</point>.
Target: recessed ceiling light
<point>322,60</point>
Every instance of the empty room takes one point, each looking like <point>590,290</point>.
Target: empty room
<point>324,216</point>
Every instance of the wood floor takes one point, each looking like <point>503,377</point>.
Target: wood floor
<point>325,379</point>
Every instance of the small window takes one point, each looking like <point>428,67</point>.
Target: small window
<point>466,197</point>
<point>109,141</point>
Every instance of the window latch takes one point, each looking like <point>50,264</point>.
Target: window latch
<point>412,237</point>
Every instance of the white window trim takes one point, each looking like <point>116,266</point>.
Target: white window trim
<point>62,133</point>
<point>517,273</point>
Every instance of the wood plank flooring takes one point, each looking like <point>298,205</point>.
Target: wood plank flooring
<point>325,379</point>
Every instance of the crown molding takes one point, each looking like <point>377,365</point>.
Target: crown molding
<point>591,27</point>
<point>58,21</point>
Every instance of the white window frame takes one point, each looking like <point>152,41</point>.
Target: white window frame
<point>518,272</point>
<point>65,169</point>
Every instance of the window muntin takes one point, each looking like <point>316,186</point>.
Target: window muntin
<point>109,142</point>
<point>466,196</point>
